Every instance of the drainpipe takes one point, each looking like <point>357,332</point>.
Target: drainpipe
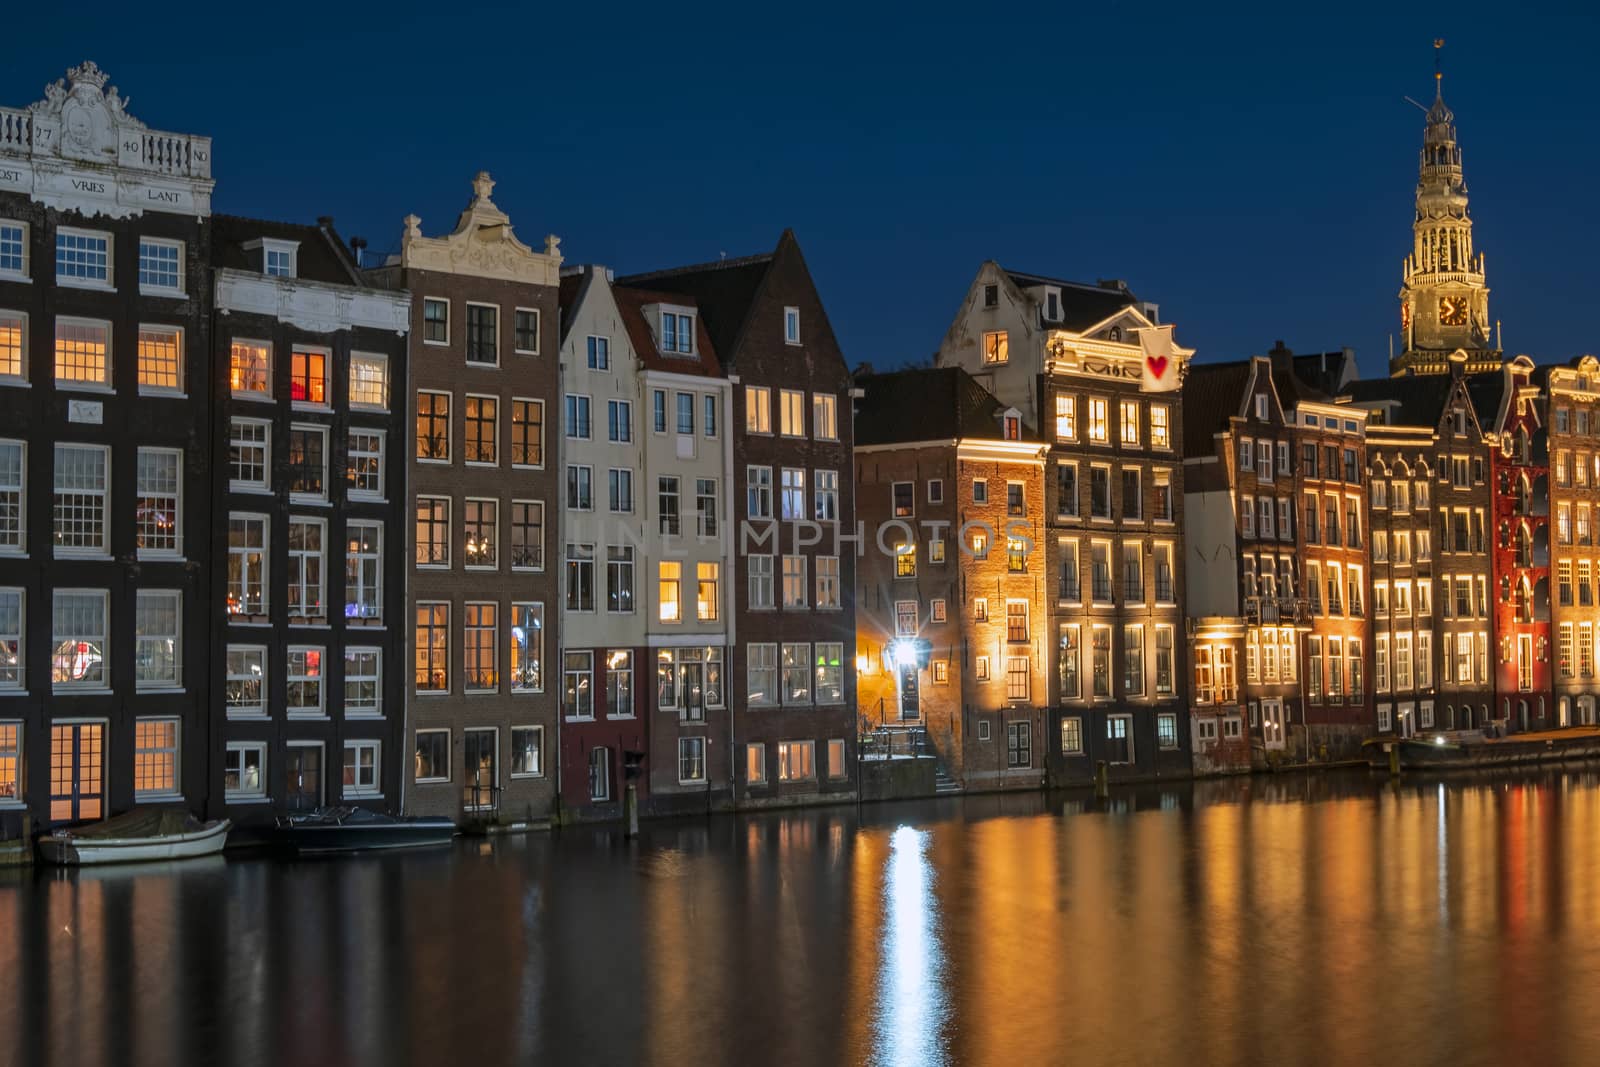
<point>731,615</point>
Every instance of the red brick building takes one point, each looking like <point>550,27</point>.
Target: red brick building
<point>951,604</point>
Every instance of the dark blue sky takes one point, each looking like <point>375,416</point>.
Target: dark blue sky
<point>1253,175</point>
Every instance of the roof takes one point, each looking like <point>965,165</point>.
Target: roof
<point>632,301</point>
<point>321,257</point>
<point>1212,393</point>
<point>932,404</point>
<point>1486,391</point>
<point>724,292</point>
<point>574,287</point>
<point>1419,398</point>
<point>1082,304</point>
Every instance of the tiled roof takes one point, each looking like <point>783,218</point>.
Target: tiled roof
<point>631,303</point>
<point>927,405</point>
<point>1419,398</point>
<point>321,256</point>
<point>724,292</point>
<point>1212,393</point>
<point>1485,391</point>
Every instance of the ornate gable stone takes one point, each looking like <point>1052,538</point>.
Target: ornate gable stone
<point>483,244</point>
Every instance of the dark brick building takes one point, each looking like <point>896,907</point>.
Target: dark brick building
<point>105,507</point>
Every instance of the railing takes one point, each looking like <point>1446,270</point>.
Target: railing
<point>896,742</point>
<point>16,129</point>
<point>177,154</point>
<point>480,800</point>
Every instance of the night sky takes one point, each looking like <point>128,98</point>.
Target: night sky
<point>1254,176</point>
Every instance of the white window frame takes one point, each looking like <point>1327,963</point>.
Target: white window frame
<point>242,794</point>
<point>109,282</point>
<point>103,684</point>
<point>84,385</point>
<point>319,429</point>
<point>791,326</point>
<point>102,549</point>
<point>426,300</point>
<point>543,762</point>
<point>361,790</point>
<point>538,325</point>
<point>177,334</point>
<point>352,490</point>
<point>447,744</point>
<point>175,752</point>
<point>25,248</point>
<point>258,653</point>
<point>176,551</point>
<point>295,561</point>
<point>147,289</point>
<point>18,320</point>
<point>320,680</point>
<point>358,709</point>
<point>174,682</point>
<point>17,635</point>
<point>373,359</point>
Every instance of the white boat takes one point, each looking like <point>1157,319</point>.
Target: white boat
<point>137,837</point>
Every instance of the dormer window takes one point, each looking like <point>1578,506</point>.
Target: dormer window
<point>677,332</point>
<point>991,296</point>
<point>1052,304</point>
<point>279,259</point>
<point>1011,425</point>
<point>791,326</point>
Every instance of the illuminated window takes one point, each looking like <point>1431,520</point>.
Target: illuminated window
<point>159,497</point>
<point>83,352</point>
<point>757,409</point>
<point>670,586</point>
<point>1129,420</point>
<point>369,381</point>
<point>363,576</point>
<point>11,643</point>
<point>432,644</point>
<point>480,530</point>
<point>480,643</point>
<point>707,579</point>
<point>155,757</point>
<point>996,348</point>
<point>1066,417</point>
<point>10,761</point>
<point>527,648</point>
<point>78,633</point>
<point>480,419</point>
<point>1161,431</point>
<point>792,408</point>
<point>160,359</point>
<point>13,346</point>
<point>825,416</point>
<point>1098,431</point>
<point>308,377</point>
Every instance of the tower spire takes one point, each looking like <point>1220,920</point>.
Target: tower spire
<point>1438,68</point>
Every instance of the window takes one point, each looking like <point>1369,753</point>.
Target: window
<point>761,675</point>
<point>1066,489</point>
<point>157,653</point>
<point>483,334</point>
<point>792,501</point>
<point>905,618</point>
<point>762,592</point>
<point>796,761</point>
<point>13,249</point>
<point>1099,492</point>
<point>433,648</point>
<point>160,359</point>
<point>1132,497</point>
<point>619,421</point>
<point>1066,417</point>
<point>435,321</point>
<point>685,402</point>
<point>578,424</point>
<point>480,645</point>
<point>246,684</point>
<point>1101,666</point>
<point>580,488</point>
<point>691,760</point>
<point>303,674</point>
<point>1015,502</point>
<point>791,325</point>
<point>758,492</point>
<point>619,684</point>
<point>363,570</point>
<point>1128,419</point>
<point>1133,660</point>
<point>580,577</point>
<point>980,491</point>
<point>361,768</point>
<point>80,499</point>
<point>792,408</point>
<point>1018,677</point>
<point>828,586</point>
<point>708,420</point>
<point>154,759</point>
<point>794,581</point>
<point>905,559</point>
<point>670,590</point>
<point>598,353</point>
<point>363,682</point>
<point>1161,428</point>
<point>1098,431</point>
<point>308,377</point>
<point>13,344</point>
<point>83,352</point>
<point>527,432</point>
<point>306,568</point>
<point>83,258</point>
<point>308,463</point>
<point>1019,744</point>
<point>433,756</point>
<point>158,513</point>
<point>667,505</point>
<point>278,258</point>
<point>527,648</point>
<point>244,770</point>
<point>707,577</point>
<point>1067,652</point>
<point>527,535</point>
<point>433,426</point>
<point>12,650</point>
<point>825,416</point>
<point>433,531</point>
<point>1017,621</point>
<point>757,409</point>
<point>677,332</point>
<point>369,381</point>
<point>577,685</point>
<point>480,533</point>
<point>525,332</point>
<point>1166,730</point>
<point>364,465</point>
<point>996,348</point>
<point>599,774</point>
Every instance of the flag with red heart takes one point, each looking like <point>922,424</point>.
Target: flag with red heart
<point>1159,373</point>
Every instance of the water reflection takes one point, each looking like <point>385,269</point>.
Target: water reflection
<point>1286,919</point>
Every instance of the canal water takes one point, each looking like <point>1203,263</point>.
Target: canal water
<point>1292,919</point>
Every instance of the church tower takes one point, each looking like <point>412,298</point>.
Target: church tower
<point>1444,302</point>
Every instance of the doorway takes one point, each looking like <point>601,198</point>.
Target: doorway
<point>1272,723</point>
<point>478,748</point>
<point>77,772</point>
<point>302,770</point>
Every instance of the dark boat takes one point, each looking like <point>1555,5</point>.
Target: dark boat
<point>343,829</point>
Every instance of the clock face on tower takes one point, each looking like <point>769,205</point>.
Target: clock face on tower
<point>1452,311</point>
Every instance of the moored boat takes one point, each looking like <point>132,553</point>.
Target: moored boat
<point>140,836</point>
<point>346,829</point>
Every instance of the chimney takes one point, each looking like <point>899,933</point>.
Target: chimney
<point>357,246</point>
<point>1113,283</point>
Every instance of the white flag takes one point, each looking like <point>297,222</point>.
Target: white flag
<point>1160,371</point>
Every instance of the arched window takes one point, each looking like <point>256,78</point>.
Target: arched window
<point>1115,333</point>
<point>1525,494</point>
<point>1524,545</point>
<point>1523,452</point>
<point>1524,601</point>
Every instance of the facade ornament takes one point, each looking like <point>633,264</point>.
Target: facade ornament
<point>483,243</point>
<point>552,245</point>
<point>413,227</point>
